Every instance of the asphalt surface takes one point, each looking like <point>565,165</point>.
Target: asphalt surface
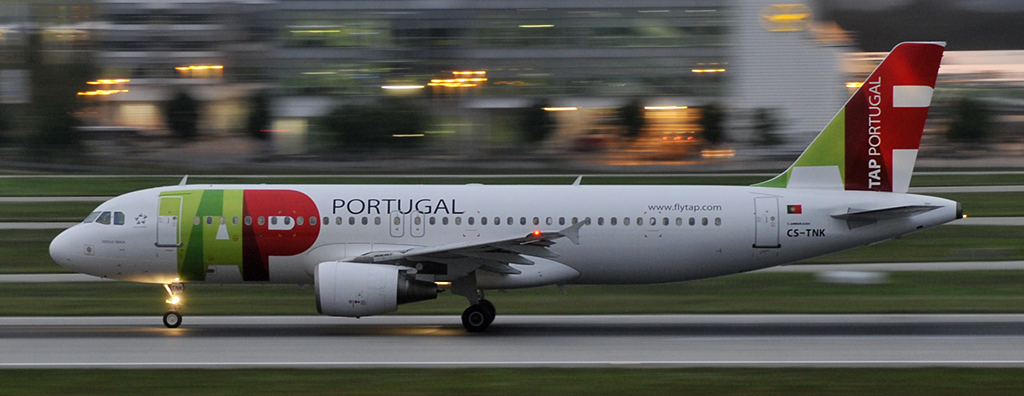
<point>517,341</point>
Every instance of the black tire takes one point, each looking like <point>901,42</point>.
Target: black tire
<point>476,318</point>
<point>490,307</point>
<point>172,319</point>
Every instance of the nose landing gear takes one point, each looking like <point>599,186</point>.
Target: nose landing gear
<point>172,319</point>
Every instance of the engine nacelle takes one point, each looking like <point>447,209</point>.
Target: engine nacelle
<point>358,289</point>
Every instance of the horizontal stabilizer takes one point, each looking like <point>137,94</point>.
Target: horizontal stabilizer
<point>859,218</point>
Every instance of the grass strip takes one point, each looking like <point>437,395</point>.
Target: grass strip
<point>904,292</point>
<point>516,382</point>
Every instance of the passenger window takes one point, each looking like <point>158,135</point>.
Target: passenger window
<point>326,221</point>
<point>196,220</point>
<point>234,220</point>
<point>640,221</point>
<point>273,220</point>
<point>586,220</point>
<point>483,221</point>
<point>118,218</point>
<point>223,220</point>
<point>575,220</point>
<point>625,221</point>
<point>654,221</point>
<point>600,221</point>
<point>511,221</point>
<point>522,221</point>
<point>417,220</point>
<point>548,221</point>
<point>261,220</point>
<point>351,220</point>
<point>692,221</point>
<point>613,221</point>
<point>458,221</point>
<point>561,221</point>
<point>679,221</point>
<point>248,220</point>
<point>497,221</point>
<point>298,220</point>
<point>398,220</point>
<point>104,218</point>
<point>470,220</point>
<point>718,221</point>
<point>704,221</point>
<point>664,221</point>
<point>432,220</point>
<point>365,220</point>
<point>444,220</point>
<point>536,221</point>
<point>376,220</point>
<point>312,220</point>
<point>91,217</point>
<point>209,220</point>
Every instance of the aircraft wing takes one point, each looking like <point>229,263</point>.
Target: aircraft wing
<point>492,255</point>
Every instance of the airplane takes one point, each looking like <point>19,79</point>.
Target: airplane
<point>368,248</point>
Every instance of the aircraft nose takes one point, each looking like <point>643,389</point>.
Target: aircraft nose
<point>63,250</point>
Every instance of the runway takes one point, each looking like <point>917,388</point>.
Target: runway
<point>516,341</point>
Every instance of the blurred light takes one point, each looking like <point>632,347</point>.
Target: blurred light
<point>443,284</point>
<point>109,81</point>
<point>462,82</point>
<point>317,31</point>
<point>319,73</point>
<point>536,233</point>
<point>402,87</point>
<point>786,17</point>
<point>664,107</point>
<point>275,130</point>
<point>405,135</point>
<point>536,26</point>
<point>723,153</point>
<point>651,11</point>
<point>102,92</point>
<point>561,108</point>
<point>199,67</point>
<point>708,70</point>
<point>439,132</point>
<point>854,84</point>
<point>475,72</point>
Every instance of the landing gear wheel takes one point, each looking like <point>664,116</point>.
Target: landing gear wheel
<point>476,318</point>
<point>490,307</point>
<point>172,319</point>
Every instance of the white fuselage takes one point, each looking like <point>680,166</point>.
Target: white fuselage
<point>634,234</point>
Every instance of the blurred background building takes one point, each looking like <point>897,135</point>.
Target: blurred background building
<point>603,81</point>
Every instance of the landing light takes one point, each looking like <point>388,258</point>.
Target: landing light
<point>174,300</point>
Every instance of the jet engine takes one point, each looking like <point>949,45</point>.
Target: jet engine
<point>358,289</point>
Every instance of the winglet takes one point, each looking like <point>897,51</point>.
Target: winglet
<point>578,180</point>
<point>573,232</point>
<point>183,181</point>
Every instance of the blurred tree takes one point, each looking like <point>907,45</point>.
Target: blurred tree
<point>182,114</point>
<point>631,117</point>
<point>970,122</point>
<point>710,122</point>
<point>537,123</point>
<point>258,122</point>
<point>765,125</point>
<point>54,85</point>
<point>392,123</point>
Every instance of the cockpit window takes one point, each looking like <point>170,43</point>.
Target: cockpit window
<point>118,218</point>
<point>91,217</point>
<point>104,218</point>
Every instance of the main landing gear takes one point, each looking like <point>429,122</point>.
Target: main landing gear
<point>478,316</point>
<point>172,318</point>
